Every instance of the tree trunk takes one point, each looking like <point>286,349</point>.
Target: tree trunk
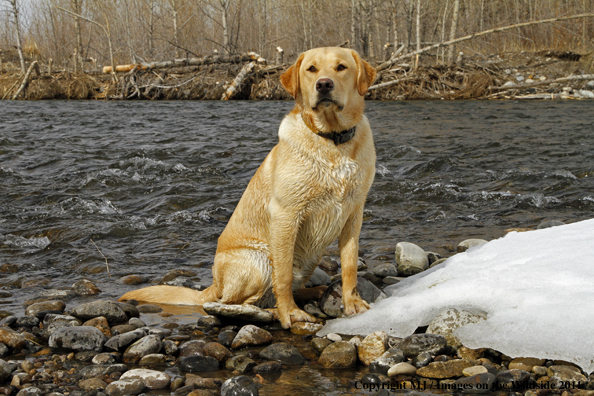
<point>236,84</point>
<point>15,12</point>
<point>453,30</point>
<point>224,10</point>
<point>207,60</point>
<point>76,8</point>
<point>418,25</point>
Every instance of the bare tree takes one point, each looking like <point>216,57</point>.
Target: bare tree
<point>14,10</point>
<point>455,15</point>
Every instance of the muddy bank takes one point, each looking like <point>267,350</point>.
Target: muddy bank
<point>537,75</point>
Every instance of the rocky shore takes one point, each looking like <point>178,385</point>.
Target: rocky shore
<point>105,347</point>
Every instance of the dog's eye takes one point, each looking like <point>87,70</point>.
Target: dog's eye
<point>341,67</point>
<point>312,69</point>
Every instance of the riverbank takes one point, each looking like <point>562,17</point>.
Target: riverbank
<point>537,75</point>
<point>69,342</point>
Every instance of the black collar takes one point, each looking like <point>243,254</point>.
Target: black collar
<point>339,137</point>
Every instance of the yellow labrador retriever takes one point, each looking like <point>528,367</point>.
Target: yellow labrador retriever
<point>308,192</point>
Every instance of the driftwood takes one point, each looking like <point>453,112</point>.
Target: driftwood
<point>389,63</point>
<point>33,66</point>
<point>236,84</point>
<point>544,82</point>
<point>387,83</point>
<point>207,60</point>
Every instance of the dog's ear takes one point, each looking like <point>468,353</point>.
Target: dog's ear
<point>290,78</point>
<point>365,74</point>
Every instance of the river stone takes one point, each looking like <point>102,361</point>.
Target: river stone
<point>449,320</point>
<point>283,352</point>
<point>106,308</point>
<point>5,370</point>
<point>124,388</point>
<point>152,379</point>
<point>104,358</point>
<point>305,328</point>
<point>549,224</point>
<point>411,259</point>
<point>474,370</point>
<point>101,323</point>
<point>27,321</point>
<point>422,359</point>
<point>372,347</point>
<point>145,346</point>
<point>513,379</point>
<point>175,273</point>
<point>101,370</point>
<point>469,243</point>
<point>563,374</point>
<point>149,308</point>
<point>268,367</point>
<point>479,383</point>
<point>239,386</point>
<point>133,279</point>
<point>384,270</point>
<point>320,343</point>
<point>226,337</point>
<point>92,384</point>
<point>153,359</point>
<point>209,321</point>
<point>217,351</point>
<point>402,368</point>
<point>85,287</point>
<point>197,364</point>
<point>52,305</point>
<point>415,344</point>
<point>192,348</point>
<point>136,322</point>
<point>331,301</point>
<point>251,335</point>
<point>437,262</point>
<point>170,347</point>
<point>123,340</point>
<point>30,391</point>
<point>121,329</point>
<point>388,359</point>
<point>247,312</point>
<point>3,350</point>
<point>442,370</point>
<point>318,278</point>
<point>240,363</point>
<point>334,337</point>
<point>339,355</point>
<point>49,295</point>
<point>526,364</point>
<point>79,338</point>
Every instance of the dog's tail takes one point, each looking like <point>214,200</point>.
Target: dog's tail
<point>172,295</point>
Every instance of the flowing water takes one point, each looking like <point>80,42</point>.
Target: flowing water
<point>149,186</point>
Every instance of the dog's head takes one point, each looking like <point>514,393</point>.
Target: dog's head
<point>328,85</point>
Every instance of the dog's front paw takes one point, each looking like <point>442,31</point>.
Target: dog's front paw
<point>355,305</point>
<point>294,315</point>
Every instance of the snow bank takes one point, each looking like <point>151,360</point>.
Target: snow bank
<point>536,287</point>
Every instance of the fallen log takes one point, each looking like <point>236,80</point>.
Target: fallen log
<point>207,60</point>
<point>26,79</point>
<point>544,82</point>
<point>388,83</point>
<point>236,84</point>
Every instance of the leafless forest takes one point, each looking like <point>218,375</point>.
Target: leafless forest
<point>85,35</point>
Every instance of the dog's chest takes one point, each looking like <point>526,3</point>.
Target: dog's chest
<point>341,177</point>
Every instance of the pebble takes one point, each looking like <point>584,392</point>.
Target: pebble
<point>549,224</point>
<point>402,368</point>
<point>104,358</point>
<point>102,370</point>
<point>251,335</point>
<point>411,259</point>
<point>209,321</point>
<point>226,337</point>
<point>390,358</point>
<point>240,363</point>
<point>217,351</point>
<point>384,270</point>
<point>559,375</point>
<point>123,340</point>
<point>175,273</point>
<point>391,280</point>
<point>79,338</point>
<point>338,355</point>
<point>526,364</point>
<point>474,370</point>
<point>372,347</point>
<point>442,370</point>
<point>125,388</point>
<point>145,346</point>
<point>192,348</point>
<point>92,384</point>
<point>152,379</point>
<point>268,367</point>
<point>284,353</point>
<point>334,337</point>
<point>449,320</point>
<point>320,343</point>
<point>246,312</point>
<point>85,287</point>
<point>508,379</point>
<point>331,301</point>
<point>305,328</point>
<point>149,308</point>
<point>100,323</point>
<point>418,343</point>
<point>318,278</point>
<point>469,243</point>
<point>479,383</point>
<point>52,305</point>
<point>422,359</point>
<point>198,364</point>
<point>328,264</point>
<point>5,370</point>
<point>133,280</point>
<point>239,386</point>
<point>111,310</point>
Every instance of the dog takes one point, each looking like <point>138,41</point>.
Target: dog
<point>308,192</point>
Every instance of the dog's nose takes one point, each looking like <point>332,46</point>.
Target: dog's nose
<point>324,85</point>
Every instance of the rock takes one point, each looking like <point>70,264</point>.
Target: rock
<point>449,320</point>
<point>525,364</point>
<point>85,287</point>
<point>203,383</point>
<point>549,224</point>
<point>384,270</point>
<point>318,278</point>
<point>356,340</point>
<point>418,343</point>
<point>305,328</point>
<point>239,386</point>
<point>30,391</point>
<point>226,337</point>
<point>197,364</point>
<point>339,355</point>
<point>479,383</point>
<point>217,351</point>
<point>390,358</point>
<point>145,346</point>
<point>437,262</point>
<point>402,369</point>
<point>249,313</point>
<point>52,305</point>
<point>79,338</point>
<point>328,264</point>
<point>106,308</point>
<point>3,351</point>
<point>192,348</point>
<point>133,279</point>
<point>320,343</point>
<point>586,94</point>
<point>125,388</point>
<point>334,337</point>
<point>513,379</point>
<point>123,340</point>
<point>136,322</point>
<point>284,353</point>
<point>209,321</point>
<point>469,243</point>
<point>268,367</point>
<point>52,294</point>
<point>411,259</point>
<point>422,359</point>
<point>331,301</point>
<point>27,321</point>
<point>371,379</point>
<point>153,359</point>
<point>240,363</point>
<point>5,370</point>
<point>152,379</point>
<point>149,308</point>
<point>471,354</point>
<point>104,358</point>
<point>170,347</point>
<point>92,384</point>
<point>175,273</point>
<point>121,329</point>
<point>372,347</point>
<point>474,370</point>
<point>251,335</point>
<point>101,370</point>
<point>391,280</point>
<point>563,374</point>
<point>442,370</point>
<point>101,323</point>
